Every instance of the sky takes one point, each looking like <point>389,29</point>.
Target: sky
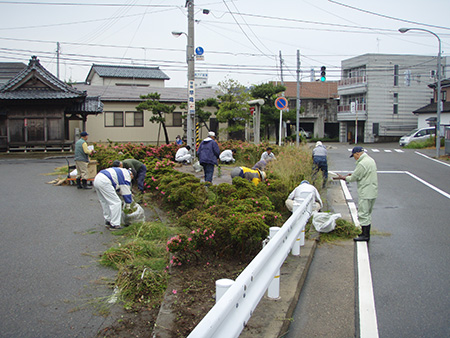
<point>242,39</point>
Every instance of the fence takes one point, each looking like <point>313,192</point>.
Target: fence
<point>231,313</point>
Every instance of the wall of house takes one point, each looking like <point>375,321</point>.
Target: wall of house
<point>149,133</point>
<point>102,81</point>
<point>381,89</point>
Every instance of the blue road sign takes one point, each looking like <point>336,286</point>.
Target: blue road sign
<point>281,103</point>
<point>199,51</point>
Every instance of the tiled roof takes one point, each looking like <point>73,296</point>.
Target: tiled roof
<point>129,72</point>
<point>312,90</point>
<point>132,94</point>
<point>23,85</point>
<point>432,108</point>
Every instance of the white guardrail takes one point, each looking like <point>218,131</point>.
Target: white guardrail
<point>233,310</point>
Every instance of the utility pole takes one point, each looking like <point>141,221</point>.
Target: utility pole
<point>190,123</point>
<point>58,50</point>
<point>297,124</point>
<point>281,112</point>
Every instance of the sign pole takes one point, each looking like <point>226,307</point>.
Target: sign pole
<point>281,121</point>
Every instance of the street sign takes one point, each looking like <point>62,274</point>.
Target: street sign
<point>281,103</point>
<point>199,51</point>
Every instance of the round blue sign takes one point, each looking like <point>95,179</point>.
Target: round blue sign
<point>199,51</point>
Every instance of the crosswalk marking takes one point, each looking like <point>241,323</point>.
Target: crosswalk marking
<point>374,150</point>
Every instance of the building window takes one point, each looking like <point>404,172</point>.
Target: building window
<point>395,75</point>
<point>395,103</point>
<point>376,129</point>
<point>134,119</point>
<point>114,119</point>
<point>177,119</point>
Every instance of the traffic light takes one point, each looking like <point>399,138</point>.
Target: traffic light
<point>323,73</point>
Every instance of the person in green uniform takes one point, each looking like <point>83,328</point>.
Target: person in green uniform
<point>138,166</point>
<point>365,175</point>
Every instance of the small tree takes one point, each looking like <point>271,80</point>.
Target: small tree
<point>269,113</point>
<point>233,106</point>
<point>158,109</point>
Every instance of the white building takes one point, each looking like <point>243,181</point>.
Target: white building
<point>379,92</point>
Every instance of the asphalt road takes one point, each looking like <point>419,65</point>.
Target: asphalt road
<point>410,256</point>
<point>51,239</point>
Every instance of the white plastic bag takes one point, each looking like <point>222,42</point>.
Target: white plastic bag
<point>136,216</point>
<point>197,167</point>
<point>324,221</point>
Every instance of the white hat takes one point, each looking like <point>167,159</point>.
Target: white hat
<point>318,143</point>
<point>211,133</point>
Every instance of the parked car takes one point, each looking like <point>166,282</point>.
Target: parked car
<point>417,135</point>
<point>304,133</point>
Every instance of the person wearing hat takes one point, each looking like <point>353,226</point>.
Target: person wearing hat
<point>107,183</point>
<point>365,175</point>
<point>303,190</point>
<point>226,156</point>
<point>252,175</point>
<point>268,155</point>
<point>183,155</point>
<point>320,160</point>
<point>138,169</point>
<point>82,153</point>
<point>208,152</point>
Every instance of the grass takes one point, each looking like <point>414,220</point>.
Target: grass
<point>428,143</point>
<point>141,260</point>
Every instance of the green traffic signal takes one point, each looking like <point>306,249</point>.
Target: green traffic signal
<point>323,74</point>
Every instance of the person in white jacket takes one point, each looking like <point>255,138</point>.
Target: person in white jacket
<point>107,183</point>
<point>226,156</point>
<point>302,191</point>
<point>183,155</point>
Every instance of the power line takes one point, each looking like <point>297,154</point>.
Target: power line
<point>387,16</point>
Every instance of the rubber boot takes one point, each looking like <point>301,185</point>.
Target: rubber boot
<point>365,235</point>
<point>85,186</point>
<point>79,186</point>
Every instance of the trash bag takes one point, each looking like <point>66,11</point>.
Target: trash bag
<point>197,167</point>
<point>324,221</point>
<point>134,214</point>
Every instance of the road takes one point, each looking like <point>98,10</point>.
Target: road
<point>409,251</point>
<point>51,239</point>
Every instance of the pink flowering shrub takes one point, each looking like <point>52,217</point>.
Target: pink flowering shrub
<point>186,248</point>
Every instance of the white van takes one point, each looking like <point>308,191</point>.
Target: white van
<point>419,134</point>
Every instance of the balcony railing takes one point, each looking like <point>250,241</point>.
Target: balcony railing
<point>352,81</point>
<point>347,108</point>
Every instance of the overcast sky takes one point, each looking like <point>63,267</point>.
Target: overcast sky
<point>242,39</point>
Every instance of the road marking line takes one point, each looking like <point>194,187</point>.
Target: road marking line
<point>433,159</point>
<point>387,151</point>
<point>399,150</point>
<point>368,326</point>
<point>376,150</point>
<point>443,193</point>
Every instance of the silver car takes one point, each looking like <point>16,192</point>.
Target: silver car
<point>417,135</point>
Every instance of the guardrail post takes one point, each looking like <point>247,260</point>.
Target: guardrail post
<point>273,291</point>
<point>222,285</point>
<point>300,241</point>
